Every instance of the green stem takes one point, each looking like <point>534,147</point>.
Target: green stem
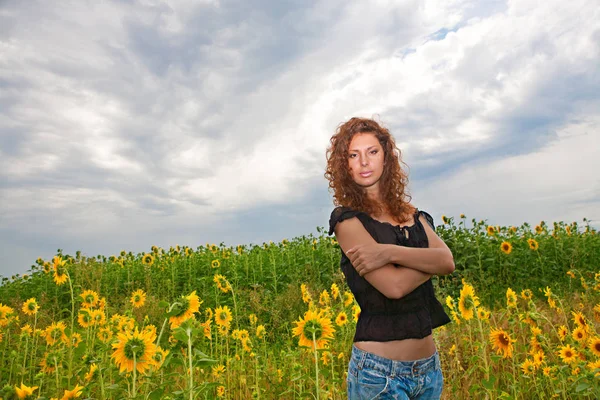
<point>316,365</point>
<point>189,335</point>
<point>134,373</point>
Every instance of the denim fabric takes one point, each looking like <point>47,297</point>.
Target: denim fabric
<point>373,377</point>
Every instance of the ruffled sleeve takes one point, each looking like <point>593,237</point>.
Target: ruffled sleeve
<point>340,214</point>
<point>428,217</point>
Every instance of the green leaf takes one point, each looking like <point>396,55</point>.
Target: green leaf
<point>489,383</point>
<point>163,304</point>
<point>582,386</point>
<point>156,395</point>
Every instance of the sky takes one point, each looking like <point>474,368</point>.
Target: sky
<point>127,124</point>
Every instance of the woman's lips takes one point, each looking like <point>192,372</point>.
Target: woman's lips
<point>366,174</point>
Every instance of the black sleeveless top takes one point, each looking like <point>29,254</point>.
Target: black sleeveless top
<point>382,319</point>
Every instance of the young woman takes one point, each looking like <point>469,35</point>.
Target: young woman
<point>389,253</point>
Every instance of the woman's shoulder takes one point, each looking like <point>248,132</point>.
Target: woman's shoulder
<point>342,213</point>
<point>418,213</point>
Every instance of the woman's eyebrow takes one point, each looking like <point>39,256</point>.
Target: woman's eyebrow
<point>368,148</point>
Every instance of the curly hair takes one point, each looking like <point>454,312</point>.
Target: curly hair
<point>393,182</point>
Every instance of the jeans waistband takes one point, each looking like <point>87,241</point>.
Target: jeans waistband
<point>364,359</point>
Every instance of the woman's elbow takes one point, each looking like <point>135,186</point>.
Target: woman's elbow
<point>449,264</point>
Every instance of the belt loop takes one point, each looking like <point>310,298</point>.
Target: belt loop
<point>363,357</point>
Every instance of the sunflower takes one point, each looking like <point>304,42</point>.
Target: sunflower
<point>568,230</point>
<point>253,319</point>
<point>579,319</point>
<point>260,331</point>
<point>223,316</point>
<point>538,358</point>
<point>444,219</point>
<point>218,370</point>
<point>189,305</point>
<point>594,345</point>
<point>335,291</point>
<point>528,367</point>
<point>159,357</point>
<point>355,312</point>
<point>306,297</point>
<point>215,263</point>
<point>84,317</point>
<point>91,373</point>
<point>491,230</point>
<point>511,298</point>
<point>24,391</point>
<point>26,329</point>
<point>138,298</point>
<point>134,347</point>
<point>501,342</point>
<point>562,332</point>
<point>60,271</point>
<point>220,391</point>
<point>506,247</point>
<point>483,314</point>
<point>90,298</point>
<point>223,330</point>
<point>324,298</point>
<point>50,360</point>
<point>75,339</point>
<point>468,302</point>
<point>571,274</point>
<point>341,319</point>
<point>539,229</point>
<point>73,394</point>
<point>56,332</point>
<point>188,251</point>
<point>105,334</point>
<point>526,294</point>
<point>5,313</point>
<point>568,354</point>
<point>148,259</point>
<point>579,334</point>
<point>98,317</point>
<point>30,307</point>
<point>209,315</point>
<point>222,283</point>
<point>313,330</point>
<point>533,244</point>
<point>348,298</point>
<point>593,366</point>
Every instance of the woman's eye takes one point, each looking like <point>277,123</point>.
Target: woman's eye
<point>374,152</point>
<point>352,155</point>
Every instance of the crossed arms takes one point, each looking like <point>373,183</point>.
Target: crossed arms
<point>376,262</point>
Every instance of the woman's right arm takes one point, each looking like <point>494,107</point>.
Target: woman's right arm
<point>393,282</point>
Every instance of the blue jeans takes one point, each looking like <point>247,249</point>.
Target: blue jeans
<point>373,377</point>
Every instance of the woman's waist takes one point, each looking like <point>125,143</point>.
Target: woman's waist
<point>400,350</point>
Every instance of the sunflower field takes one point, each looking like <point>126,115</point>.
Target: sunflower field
<point>276,320</point>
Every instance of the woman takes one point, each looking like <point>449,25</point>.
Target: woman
<point>389,253</point>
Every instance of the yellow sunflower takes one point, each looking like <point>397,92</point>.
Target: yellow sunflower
<point>468,302</point>
<point>55,332</point>
<point>138,298</point>
<point>511,298</point>
<point>526,294</point>
<point>483,314</point>
<point>215,263</point>
<point>579,319</point>
<point>75,339</point>
<point>105,334</point>
<point>260,331</point>
<point>501,342</point>
<point>253,319</point>
<point>223,316</point>
<point>89,298</point>
<point>60,271</point>
<point>341,319</point>
<point>24,391</point>
<point>84,317</point>
<point>355,312</point>
<point>220,391</point>
<point>491,230</point>
<point>189,305</point>
<point>218,371</point>
<point>568,354</point>
<point>222,283</point>
<point>594,345</point>
<point>30,307</point>
<point>159,357</point>
<point>506,247</point>
<point>539,229</point>
<point>533,244</point>
<point>73,394</point>
<point>335,291</point>
<point>91,373</point>
<point>306,297</point>
<point>348,298</point>
<point>528,367</point>
<point>579,334</point>
<point>148,259</point>
<point>134,346</point>
<point>562,331</point>
<point>314,326</point>
<point>324,298</point>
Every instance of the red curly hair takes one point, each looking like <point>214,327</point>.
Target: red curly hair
<point>393,182</point>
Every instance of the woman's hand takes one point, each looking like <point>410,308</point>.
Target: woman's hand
<point>367,257</point>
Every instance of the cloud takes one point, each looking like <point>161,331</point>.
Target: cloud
<point>149,122</point>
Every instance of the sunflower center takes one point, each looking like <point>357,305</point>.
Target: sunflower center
<point>134,346</point>
<point>503,339</point>
<point>311,327</point>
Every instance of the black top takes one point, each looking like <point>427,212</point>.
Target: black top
<point>382,319</point>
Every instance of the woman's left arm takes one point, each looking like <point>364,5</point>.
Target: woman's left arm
<point>437,259</point>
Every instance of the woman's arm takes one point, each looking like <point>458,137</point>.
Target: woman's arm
<point>393,282</point>
<point>437,259</point>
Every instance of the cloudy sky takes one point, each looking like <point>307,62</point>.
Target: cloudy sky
<point>127,124</point>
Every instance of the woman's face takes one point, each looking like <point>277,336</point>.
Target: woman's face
<point>365,160</point>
